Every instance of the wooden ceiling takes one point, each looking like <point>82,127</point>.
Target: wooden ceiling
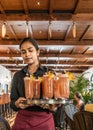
<point>62,28</point>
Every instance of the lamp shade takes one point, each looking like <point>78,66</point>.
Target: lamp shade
<point>3,30</point>
<point>74,30</point>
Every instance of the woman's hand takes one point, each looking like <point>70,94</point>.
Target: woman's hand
<point>19,103</point>
<point>51,107</point>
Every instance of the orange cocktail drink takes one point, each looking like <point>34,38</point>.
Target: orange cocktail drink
<point>28,87</point>
<point>56,87</point>
<point>36,88</point>
<point>64,86</point>
<point>47,86</point>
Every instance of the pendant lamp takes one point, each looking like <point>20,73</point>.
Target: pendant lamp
<point>74,30</point>
<point>3,29</point>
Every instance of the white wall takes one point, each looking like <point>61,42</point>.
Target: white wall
<point>89,73</point>
<point>5,78</point>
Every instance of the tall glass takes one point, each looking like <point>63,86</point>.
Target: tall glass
<point>36,83</point>
<point>28,87</point>
<point>64,86</point>
<point>2,99</point>
<point>47,87</point>
<point>56,88</point>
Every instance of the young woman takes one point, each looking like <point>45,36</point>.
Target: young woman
<point>29,117</point>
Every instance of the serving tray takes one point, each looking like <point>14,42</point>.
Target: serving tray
<point>45,101</point>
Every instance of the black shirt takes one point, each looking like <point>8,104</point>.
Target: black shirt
<point>18,89</point>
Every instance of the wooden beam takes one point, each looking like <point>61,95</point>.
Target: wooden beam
<point>44,17</point>
<point>85,50</point>
<point>31,31</point>
<point>72,50</point>
<point>9,62</point>
<point>76,6</point>
<point>68,31</point>
<point>51,6</point>
<point>25,7</point>
<point>51,42</point>
<point>3,12</point>
<point>5,19</point>
<point>13,32</point>
<point>73,71</point>
<point>49,65</point>
<point>36,17</point>
<point>82,17</point>
<point>67,67</point>
<point>72,56</point>
<point>86,29</point>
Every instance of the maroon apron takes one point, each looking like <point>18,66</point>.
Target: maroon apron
<point>28,120</point>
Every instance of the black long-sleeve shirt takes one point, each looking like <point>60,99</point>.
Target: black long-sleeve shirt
<point>18,88</point>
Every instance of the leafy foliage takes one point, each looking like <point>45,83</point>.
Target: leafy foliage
<point>80,84</point>
<point>88,96</point>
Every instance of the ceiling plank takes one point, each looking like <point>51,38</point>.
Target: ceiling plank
<point>73,71</point>
<point>51,6</point>
<point>3,12</point>
<point>5,18</point>
<point>62,68</point>
<point>70,63</point>
<point>31,31</point>
<point>82,17</point>
<point>25,7</point>
<point>73,56</point>
<point>85,43</point>
<point>13,32</point>
<point>86,29</point>
<point>67,32</point>
<point>85,50</point>
<point>44,17</point>
<point>36,16</point>
<point>76,6</point>
<point>75,68</point>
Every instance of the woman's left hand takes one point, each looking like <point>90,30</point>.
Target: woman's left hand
<point>20,103</point>
<point>54,107</point>
<point>51,107</point>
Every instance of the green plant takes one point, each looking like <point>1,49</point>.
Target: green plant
<point>88,96</point>
<point>80,84</point>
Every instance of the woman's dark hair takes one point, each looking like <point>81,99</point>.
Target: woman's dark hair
<point>31,40</point>
<point>78,95</point>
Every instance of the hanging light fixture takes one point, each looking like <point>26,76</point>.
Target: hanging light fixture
<point>46,60</point>
<point>74,30</point>
<point>17,63</point>
<point>27,29</point>
<point>11,58</point>
<point>23,62</point>
<point>50,29</point>
<point>3,29</point>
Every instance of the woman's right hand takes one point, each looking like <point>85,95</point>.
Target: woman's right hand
<point>19,103</point>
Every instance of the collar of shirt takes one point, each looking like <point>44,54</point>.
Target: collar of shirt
<point>40,71</point>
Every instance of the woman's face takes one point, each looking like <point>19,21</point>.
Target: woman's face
<point>29,53</point>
